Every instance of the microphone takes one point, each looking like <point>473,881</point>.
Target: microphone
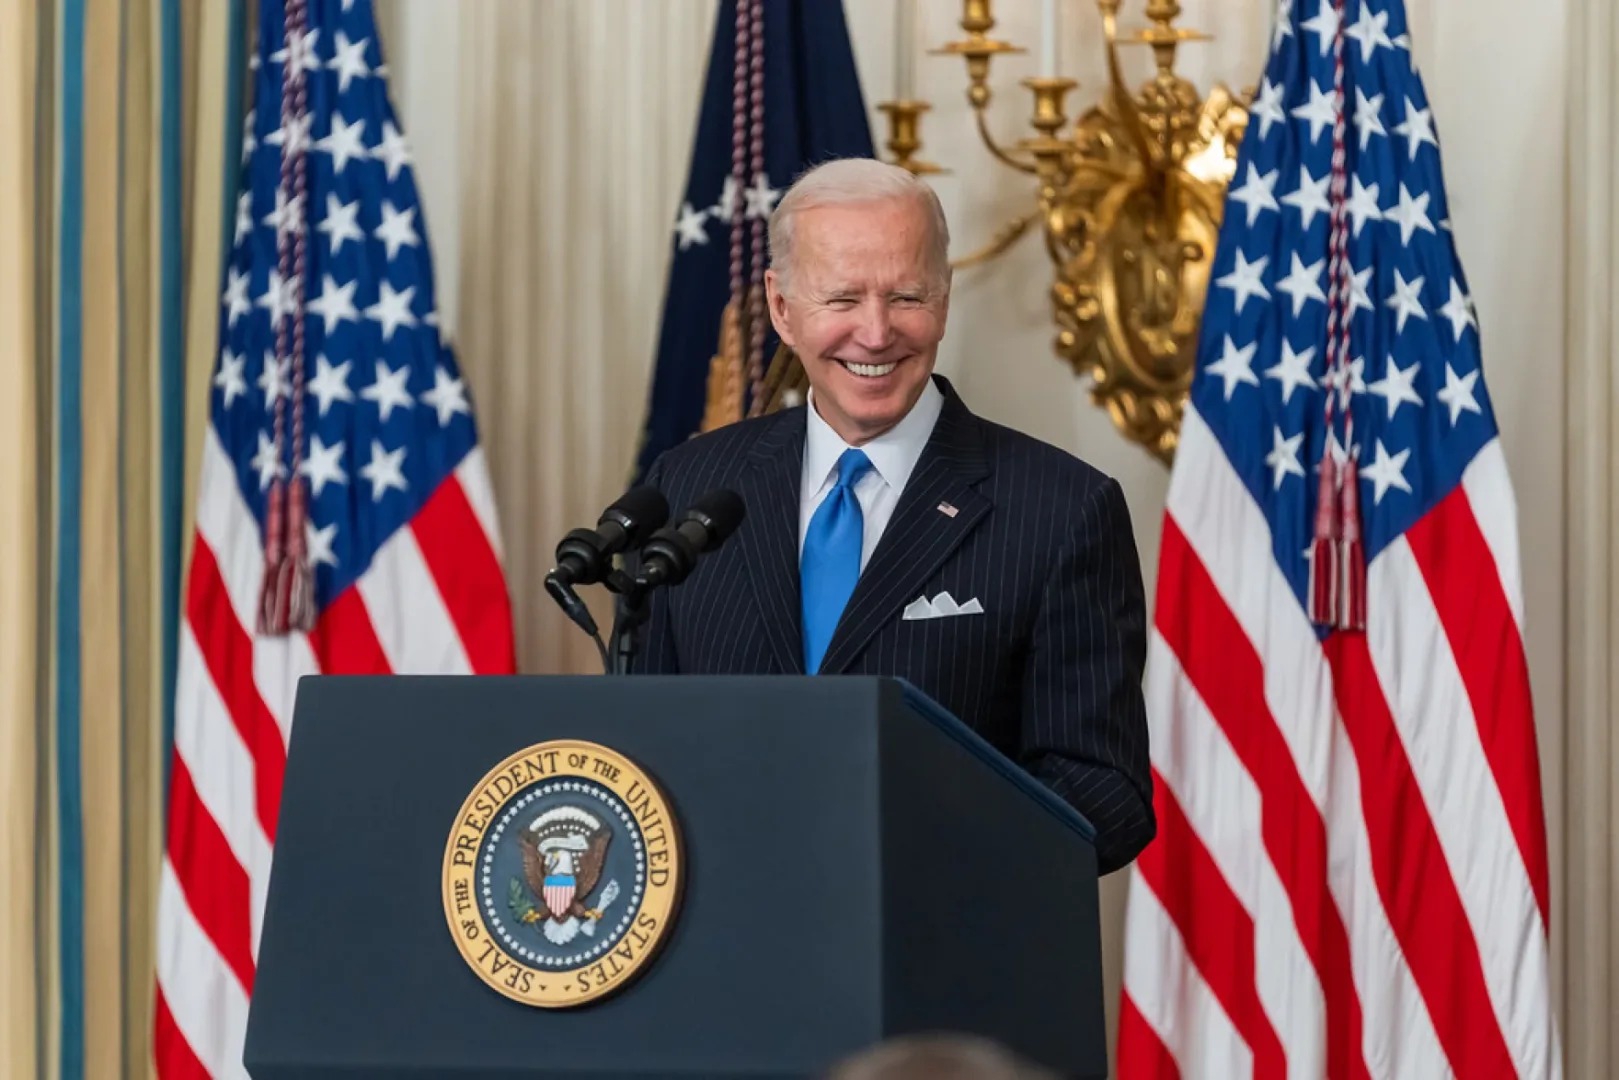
<point>672,552</point>
<point>585,556</point>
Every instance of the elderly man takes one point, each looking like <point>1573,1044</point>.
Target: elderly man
<point>890,531</point>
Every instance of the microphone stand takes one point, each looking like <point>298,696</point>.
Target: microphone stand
<point>631,611</point>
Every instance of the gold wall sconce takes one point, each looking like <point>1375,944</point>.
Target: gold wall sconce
<point>1129,201</point>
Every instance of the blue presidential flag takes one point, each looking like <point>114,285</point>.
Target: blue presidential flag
<point>797,103</point>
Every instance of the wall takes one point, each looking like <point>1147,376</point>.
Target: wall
<point>1495,77</point>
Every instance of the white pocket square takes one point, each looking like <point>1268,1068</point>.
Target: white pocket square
<point>942,606</point>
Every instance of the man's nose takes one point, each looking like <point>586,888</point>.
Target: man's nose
<point>875,331</point>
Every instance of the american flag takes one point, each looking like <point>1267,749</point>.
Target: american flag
<point>1350,874</point>
<point>340,439</point>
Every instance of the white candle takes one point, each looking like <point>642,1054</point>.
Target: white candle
<point>1048,39</point>
<point>904,49</point>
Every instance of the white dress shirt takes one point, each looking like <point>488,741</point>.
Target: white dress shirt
<point>893,455</point>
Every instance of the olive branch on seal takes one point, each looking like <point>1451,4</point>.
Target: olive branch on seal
<point>517,899</point>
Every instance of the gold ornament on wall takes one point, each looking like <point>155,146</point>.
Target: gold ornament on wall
<point>1129,201</point>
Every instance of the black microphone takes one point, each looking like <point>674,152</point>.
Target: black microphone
<point>672,552</point>
<point>585,556</point>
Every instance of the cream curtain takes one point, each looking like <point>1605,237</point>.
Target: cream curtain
<point>576,125</point>
<point>1590,765</point>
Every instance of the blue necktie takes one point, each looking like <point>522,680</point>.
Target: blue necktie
<point>831,561</point>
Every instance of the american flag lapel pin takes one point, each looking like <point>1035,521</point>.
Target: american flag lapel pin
<point>947,510</point>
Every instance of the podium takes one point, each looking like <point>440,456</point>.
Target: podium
<point>853,863</point>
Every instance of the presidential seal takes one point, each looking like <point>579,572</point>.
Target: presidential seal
<point>562,874</point>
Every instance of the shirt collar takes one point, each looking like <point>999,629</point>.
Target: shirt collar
<point>893,454</point>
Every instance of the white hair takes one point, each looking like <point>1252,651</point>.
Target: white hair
<point>854,181</point>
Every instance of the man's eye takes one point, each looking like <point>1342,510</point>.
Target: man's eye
<point>908,301</point>
<point>842,303</point>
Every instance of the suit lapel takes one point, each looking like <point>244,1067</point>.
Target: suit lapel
<point>769,534</point>
<point>920,536</point>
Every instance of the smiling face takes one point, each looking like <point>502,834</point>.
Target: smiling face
<point>863,309</point>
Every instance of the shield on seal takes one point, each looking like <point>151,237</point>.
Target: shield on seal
<point>559,889</point>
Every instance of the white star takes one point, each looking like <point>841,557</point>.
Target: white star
<point>323,465</point>
<point>244,215</point>
<point>1368,116</point>
<point>265,462</point>
<point>1322,112</point>
<point>396,230</point>
<point>690,226</point>
<point>1283,26</point>
<point>1411,215</point>
<point>1386,472</point>
<point>288,215</point>
<point>1459,310</point>
<point>730,191</point>
<point>303,51</point>
<point>392,149</point>
<point>280,297</point>
<point>1303,283</point>
<point>448,396</point>
<point>341,222</point>
<point>1458,394</point>
<point>761,198</point>
<point>1246,279</point>
<point>295,138</point>
<point>1284,457</point>
<point>1292,370</point>
<point>384,470</point>
<point>1407,300</point>
<point>1363,204</point>
<point>1396,387</point>
<point>392,310</point>
<point>349,61</point>
<point>318,543</point>
<point>235,297</point>
<point>345,143</point>
<point>230,377</point>
<point>389,390</point>
<point>1310,197</point>
<point>1235,366</point>
<point>275,380</point>
<point>336,303</point>
<point>1371,31</point>
<point>1269,106</point>
<point>1360,292</point>
<point>330,383</point>
<point>1324,25</point>
<point>249,143</point>
<point>1257,193</point>
<point>1417,127</point>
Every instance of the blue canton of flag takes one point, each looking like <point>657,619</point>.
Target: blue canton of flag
<point>385,413</point>
<point>1419,409</point>
<point>813,112</point>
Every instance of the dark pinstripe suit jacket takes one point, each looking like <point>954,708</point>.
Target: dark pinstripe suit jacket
<point>1050,673</point>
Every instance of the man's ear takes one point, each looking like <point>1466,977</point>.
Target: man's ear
<point>776,301</point>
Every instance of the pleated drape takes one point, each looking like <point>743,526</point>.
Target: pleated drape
<point>111,162</point>
<point>19,548</point>
<point>567,178</point>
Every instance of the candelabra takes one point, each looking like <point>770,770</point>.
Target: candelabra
<point>1129,201</point>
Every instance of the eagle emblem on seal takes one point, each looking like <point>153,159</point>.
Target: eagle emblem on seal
<point>564,850</point>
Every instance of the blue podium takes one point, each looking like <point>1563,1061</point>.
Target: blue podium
<point>806,866</point>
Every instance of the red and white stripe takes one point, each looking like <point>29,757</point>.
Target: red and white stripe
<point>433,601</point>
<point>1350,875</point>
